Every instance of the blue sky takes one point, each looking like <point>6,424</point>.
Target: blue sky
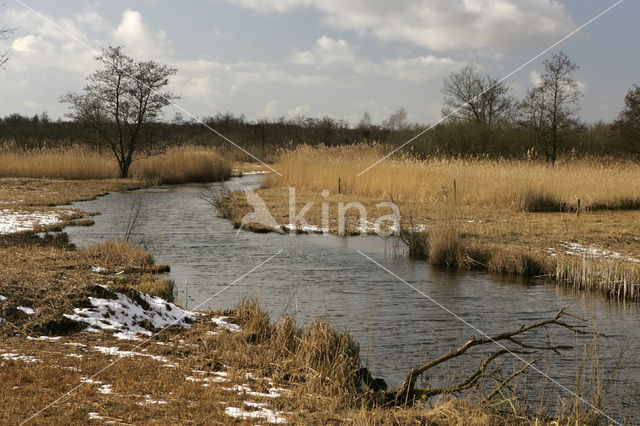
<point>302,57</point>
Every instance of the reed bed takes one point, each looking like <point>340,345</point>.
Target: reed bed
<point>71,164</point>
<point>514,184</point>
<point>182,165</point>
<point>615,279</point>
<point>177,165</point>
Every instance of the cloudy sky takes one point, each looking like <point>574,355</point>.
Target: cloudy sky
<point>314,58</point>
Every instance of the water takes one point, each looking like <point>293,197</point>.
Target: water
<point>315,276</point>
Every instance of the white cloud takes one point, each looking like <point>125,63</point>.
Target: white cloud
<point>140,39</point>
<point>26,44</point>
<point>327,51</point>
<point>418,69</point>
<point>331,52</point>
<point>534,78</point>
<point>440,25</point>
<point>272,108</point>
<point>300,110</point>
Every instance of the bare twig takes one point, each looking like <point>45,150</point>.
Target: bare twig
<point>217,196</point>
<point>408,393</point>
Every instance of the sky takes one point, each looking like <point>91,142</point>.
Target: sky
<point>338,58</point>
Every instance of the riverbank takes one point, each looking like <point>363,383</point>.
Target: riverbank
<point>594,248</point>
<point>83,322</point>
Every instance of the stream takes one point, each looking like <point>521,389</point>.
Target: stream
<point>325,276</point>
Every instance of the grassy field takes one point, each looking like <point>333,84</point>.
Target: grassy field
<point>515,217</point>
<point>176,165</point>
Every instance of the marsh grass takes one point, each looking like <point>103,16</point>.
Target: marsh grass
<point>613,278</point>
<point>181,165</point>
<point>177,165</point>
<point>148,284</point>
<point>513,184</point>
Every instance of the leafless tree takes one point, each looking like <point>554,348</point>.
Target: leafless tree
<point>477,97</point>
<point>628,122</point>
<point>119,102</point>
<point>549,110</point>
<point>4,34</point>
<point>397,120</point>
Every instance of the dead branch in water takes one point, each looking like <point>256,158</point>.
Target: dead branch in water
<point>408,393</point>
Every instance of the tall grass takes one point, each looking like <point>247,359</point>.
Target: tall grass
<point>68,163</point>
<point>515,184</point>
<point>182,165</point>
<point>177,165</point>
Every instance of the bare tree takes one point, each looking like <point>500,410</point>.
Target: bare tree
<point>4,34</point>
<point>477,97</point>
<point>628,123</point>
<point>119,102</point>
<point>397,120</point>
<point>550,108</point>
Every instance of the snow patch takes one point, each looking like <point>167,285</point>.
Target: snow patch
<point>124,316</point>
<point>105,389</point>
<point>17,357</point>
<point>26,310</point>
<point>45,338</point>
<point>2,298</point>
<point>244,389</point>
<point>115,351</point>
<point>95,416</point>
<point>263,413</point>
<point>14,221</point>
<point>220,322</point>
<point>575,249</point>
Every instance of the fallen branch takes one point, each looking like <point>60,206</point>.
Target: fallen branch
<point>408,393</point>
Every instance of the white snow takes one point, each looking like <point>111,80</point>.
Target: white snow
<point>220,376</point>
<point>252,172</point>
<point>14,221</point>
<point>2,298</point>
<point>126,335</point>
<point>220,322</point>
<point>115,351</point>
<point>97,269</point>
<point>575,249</point>
<point>95,416</point>
<point>263,413</point>
<point>256,404</point>
<point>149,400</point>
<point>74,355</point>
<point>45,338</point>
<point>26,310</point>
<point>17,357</point>
<point>244,389</point>
<point>105,389</point>
<point>123,315</point>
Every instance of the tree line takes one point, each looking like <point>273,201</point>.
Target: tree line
<point>120,111</point>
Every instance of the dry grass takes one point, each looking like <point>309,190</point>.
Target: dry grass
<point>178,165</point>
<point>500,184</point>
<point>183,165</point>
<point>314,365</point>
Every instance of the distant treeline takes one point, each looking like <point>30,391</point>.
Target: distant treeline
<point>266,137</point>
